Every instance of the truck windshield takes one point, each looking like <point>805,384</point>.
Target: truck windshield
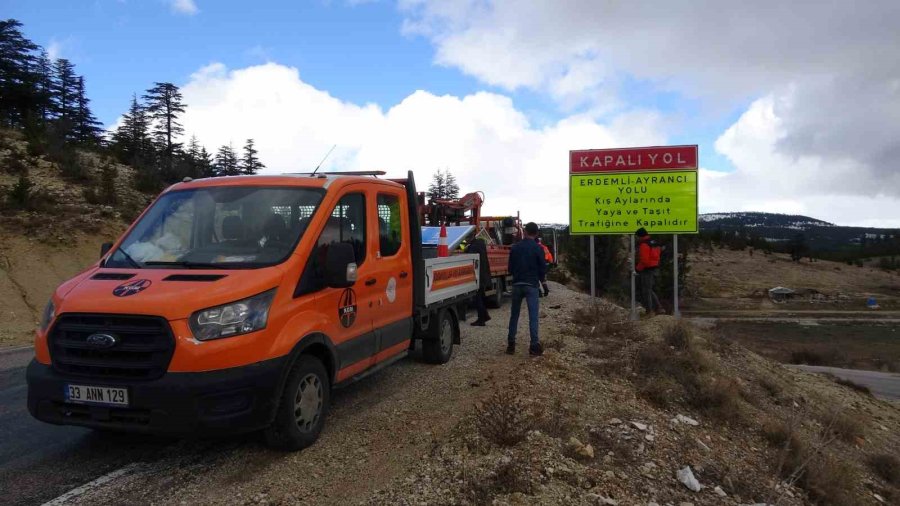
<point>219,228</point>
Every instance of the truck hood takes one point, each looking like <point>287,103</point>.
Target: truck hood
<point>170,293</point>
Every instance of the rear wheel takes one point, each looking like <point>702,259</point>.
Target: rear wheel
<point>438,347</point>
<point>496,300</point>
<point>302,406</point>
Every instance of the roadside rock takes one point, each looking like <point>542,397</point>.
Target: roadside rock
<point>686,477</point>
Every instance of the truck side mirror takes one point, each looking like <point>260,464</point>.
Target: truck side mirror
<point>340,265</point>
<point>104,248</point>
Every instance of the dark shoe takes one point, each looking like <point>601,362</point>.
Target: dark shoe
<point>536,351</point>
<point>478,323</point>
<point>487,318</point>
<point>511,349</point>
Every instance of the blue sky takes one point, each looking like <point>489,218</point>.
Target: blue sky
<point>354,51</point>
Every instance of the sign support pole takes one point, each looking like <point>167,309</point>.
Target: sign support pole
<point>633,315</point>
<point>593,292</point>
<point>675,312</point>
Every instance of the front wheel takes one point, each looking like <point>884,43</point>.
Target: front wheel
<point>302,406</point>
<point>438,347</point>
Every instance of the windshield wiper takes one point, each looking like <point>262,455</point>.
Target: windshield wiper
<point>193,265</point>
<point>133,262</point>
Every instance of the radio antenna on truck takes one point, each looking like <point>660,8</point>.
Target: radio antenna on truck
<point>323,159</point>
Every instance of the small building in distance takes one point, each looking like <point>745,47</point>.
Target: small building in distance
<point>781,294</point>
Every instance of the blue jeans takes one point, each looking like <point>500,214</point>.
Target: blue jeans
<point>530,294</point>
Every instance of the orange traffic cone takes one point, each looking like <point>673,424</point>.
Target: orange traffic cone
<point>443,250</point>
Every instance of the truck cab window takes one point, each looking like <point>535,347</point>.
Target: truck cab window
<point>346,223</point>
<point>389,231</point>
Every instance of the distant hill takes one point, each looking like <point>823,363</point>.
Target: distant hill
<point>820,235</point>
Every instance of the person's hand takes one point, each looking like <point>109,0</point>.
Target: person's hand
<point>546,289</point>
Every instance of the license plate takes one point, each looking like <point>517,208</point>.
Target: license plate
<point>106,396</point>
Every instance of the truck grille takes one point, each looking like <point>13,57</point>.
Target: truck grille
<point>143,348</point>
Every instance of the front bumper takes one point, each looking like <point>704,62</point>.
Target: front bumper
<point>228,401</point>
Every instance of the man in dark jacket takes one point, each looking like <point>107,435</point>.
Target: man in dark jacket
<point>528,268</point>
<point>478,247</point>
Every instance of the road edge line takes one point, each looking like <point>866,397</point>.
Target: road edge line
<point>7,351</point>
<point>87,487</point>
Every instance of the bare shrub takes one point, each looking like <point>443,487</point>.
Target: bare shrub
<point>596,317</point>
<point>886,466</point>
<point>829,480</point>
<point>770,385</point>
<point>503,418</point>
<point>659,391</point>
<point>678,335</point>
<point>844,425</point>
<point>854,386</point>
<point>719,397</point>
<point>557,419</point>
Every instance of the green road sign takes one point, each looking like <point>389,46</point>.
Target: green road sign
<point>618,191</point>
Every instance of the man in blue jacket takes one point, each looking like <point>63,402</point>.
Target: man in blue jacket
<point>529,269</point>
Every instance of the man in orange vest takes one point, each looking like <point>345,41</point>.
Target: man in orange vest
<point>547,255</point>
<point>648,261</point>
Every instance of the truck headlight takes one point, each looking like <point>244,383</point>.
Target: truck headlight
<point>236,318</point>
<point>48,315</point>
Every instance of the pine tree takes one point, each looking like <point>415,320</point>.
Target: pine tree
<point>452,189</point>
<point>205,165</point>
<point>64,89</point>
<point>438,187</point>
<point>86,127</point>
<point>164,104</point>
<point>250,163</point>
<point>226,163</point>
<point>17,75</point>
<point>44,88</point>
<point>132,138</point>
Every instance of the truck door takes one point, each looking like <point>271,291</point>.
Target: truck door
<point>350,310</point>
<point>392,271</point>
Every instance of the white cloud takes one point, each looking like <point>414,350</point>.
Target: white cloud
<point>54,49</point>
<point>482,138</point>
<point>187,7</point>
<point>766,178</point>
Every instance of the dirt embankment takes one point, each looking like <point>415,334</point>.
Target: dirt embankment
<point>29,272</point>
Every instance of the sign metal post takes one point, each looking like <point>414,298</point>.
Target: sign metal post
<point>593,291</point>
<point>633,315</point>
<point>675,312</point>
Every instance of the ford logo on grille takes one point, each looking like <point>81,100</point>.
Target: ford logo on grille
<point>101,341</point>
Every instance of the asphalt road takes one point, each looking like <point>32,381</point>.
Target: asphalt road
<point>38,461</point>
<point>883,385</point>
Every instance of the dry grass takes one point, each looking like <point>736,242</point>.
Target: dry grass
<point>503,418</point>
<point>830,481</point>
<point>886,466</point>
<point>844,425</point>
<point>770,386</point>
<point>678,335</point>
<point>557,419</point>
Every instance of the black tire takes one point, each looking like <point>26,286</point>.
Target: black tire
<point>495,300</point>
<point>302,406</point>
<point>437,348</point>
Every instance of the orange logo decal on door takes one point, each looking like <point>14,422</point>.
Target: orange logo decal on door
<point>347,307</point>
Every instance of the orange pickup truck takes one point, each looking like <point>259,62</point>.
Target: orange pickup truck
<point>237,304</point>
